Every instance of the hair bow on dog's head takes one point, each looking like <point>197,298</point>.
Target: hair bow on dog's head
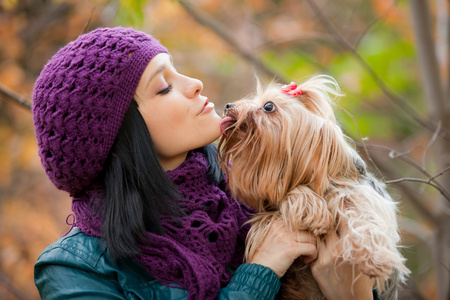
<point>291,89</point>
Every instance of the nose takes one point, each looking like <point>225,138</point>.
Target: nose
<point>191,87</point>
<point>228,106</point>
<point>196,87</point>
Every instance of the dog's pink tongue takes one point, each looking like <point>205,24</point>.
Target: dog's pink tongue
<point>226,122</point>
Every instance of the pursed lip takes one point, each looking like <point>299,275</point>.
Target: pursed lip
<point>207,106</point>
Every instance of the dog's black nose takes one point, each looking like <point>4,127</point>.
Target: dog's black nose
<point>228,106</point>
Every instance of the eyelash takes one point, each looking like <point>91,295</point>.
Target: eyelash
<point>165,90</point>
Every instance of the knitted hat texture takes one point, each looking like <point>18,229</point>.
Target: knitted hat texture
<point>80,99</point>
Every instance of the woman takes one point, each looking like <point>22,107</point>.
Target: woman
<point>130,139</point>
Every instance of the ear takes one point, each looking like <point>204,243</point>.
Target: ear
<point>318,95</point>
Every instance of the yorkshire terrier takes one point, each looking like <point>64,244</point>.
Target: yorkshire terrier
<point>291,162</point>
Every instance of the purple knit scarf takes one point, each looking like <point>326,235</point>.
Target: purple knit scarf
<point>197,255</point>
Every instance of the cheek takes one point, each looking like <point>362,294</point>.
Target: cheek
<point>166,128</point>
<point>163,130</point>
<point>161,118</point>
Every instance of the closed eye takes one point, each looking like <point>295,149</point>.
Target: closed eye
<point>165,90</point>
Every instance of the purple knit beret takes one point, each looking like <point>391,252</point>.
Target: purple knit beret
<point>80,99</point>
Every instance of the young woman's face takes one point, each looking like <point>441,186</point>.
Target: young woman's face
<point>178,117</point>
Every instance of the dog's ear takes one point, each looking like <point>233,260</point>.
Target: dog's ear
<point>318,95</point>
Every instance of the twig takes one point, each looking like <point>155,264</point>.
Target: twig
<point>89,21</point>
<point>362,142</point>
<point>395,154</point>
<point>219,30</point>
<point>392,154</point>
<point>439,174</point>
<point>358,40</point>
<point>410,162</point>
<point>340,40</point>
<point>292,42</point>
<point>412,196</point>
<point>443,192</point>
<point>433,139</point>
<point>10,94</point>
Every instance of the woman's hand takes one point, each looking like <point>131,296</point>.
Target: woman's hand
<point>336,279</point>
<point>280,248</point>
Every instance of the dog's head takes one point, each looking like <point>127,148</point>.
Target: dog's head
<point>277,139</point>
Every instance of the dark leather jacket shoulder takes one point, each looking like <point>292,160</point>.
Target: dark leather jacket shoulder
<point>77,267</point>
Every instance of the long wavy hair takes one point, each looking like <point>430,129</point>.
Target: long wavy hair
<point>138,191</point>
<point>292,162</point>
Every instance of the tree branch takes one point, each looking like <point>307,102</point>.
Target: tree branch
<point>432,141</point>
<point>422,181</point>
<point>341,41</point>
<point>225,36</point>
<point>431,78</point>
<point>412,196</point>
<point>10,94</point>
<point>361,36</point>
<point>395,154</point>
<point>439,174</point>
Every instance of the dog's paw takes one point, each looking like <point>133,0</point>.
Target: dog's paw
<point>375,269</point>
<point>381,264</point>
<point>322,227</point>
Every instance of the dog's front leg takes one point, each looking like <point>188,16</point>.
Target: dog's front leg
<point>303,209</point>
<point>370,233</point>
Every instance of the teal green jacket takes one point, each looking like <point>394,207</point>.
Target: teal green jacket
<point>77,267</point>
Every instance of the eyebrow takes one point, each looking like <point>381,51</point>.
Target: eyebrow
<point>160,69</point>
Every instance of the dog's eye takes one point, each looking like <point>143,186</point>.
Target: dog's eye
<point>269,107</point>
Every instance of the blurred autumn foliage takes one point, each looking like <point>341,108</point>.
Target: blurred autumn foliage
<point>374,48</point>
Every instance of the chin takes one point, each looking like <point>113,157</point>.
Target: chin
<point>214,131</point>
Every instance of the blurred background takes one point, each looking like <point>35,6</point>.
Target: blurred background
<point>391,58</point>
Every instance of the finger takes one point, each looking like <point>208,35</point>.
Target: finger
<point>309,259</point>
<point>306,237</point>
<point>308,251</point>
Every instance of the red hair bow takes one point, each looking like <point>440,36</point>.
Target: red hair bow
<point>291,89</point>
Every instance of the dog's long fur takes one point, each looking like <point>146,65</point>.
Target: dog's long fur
<point>295,164</point>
